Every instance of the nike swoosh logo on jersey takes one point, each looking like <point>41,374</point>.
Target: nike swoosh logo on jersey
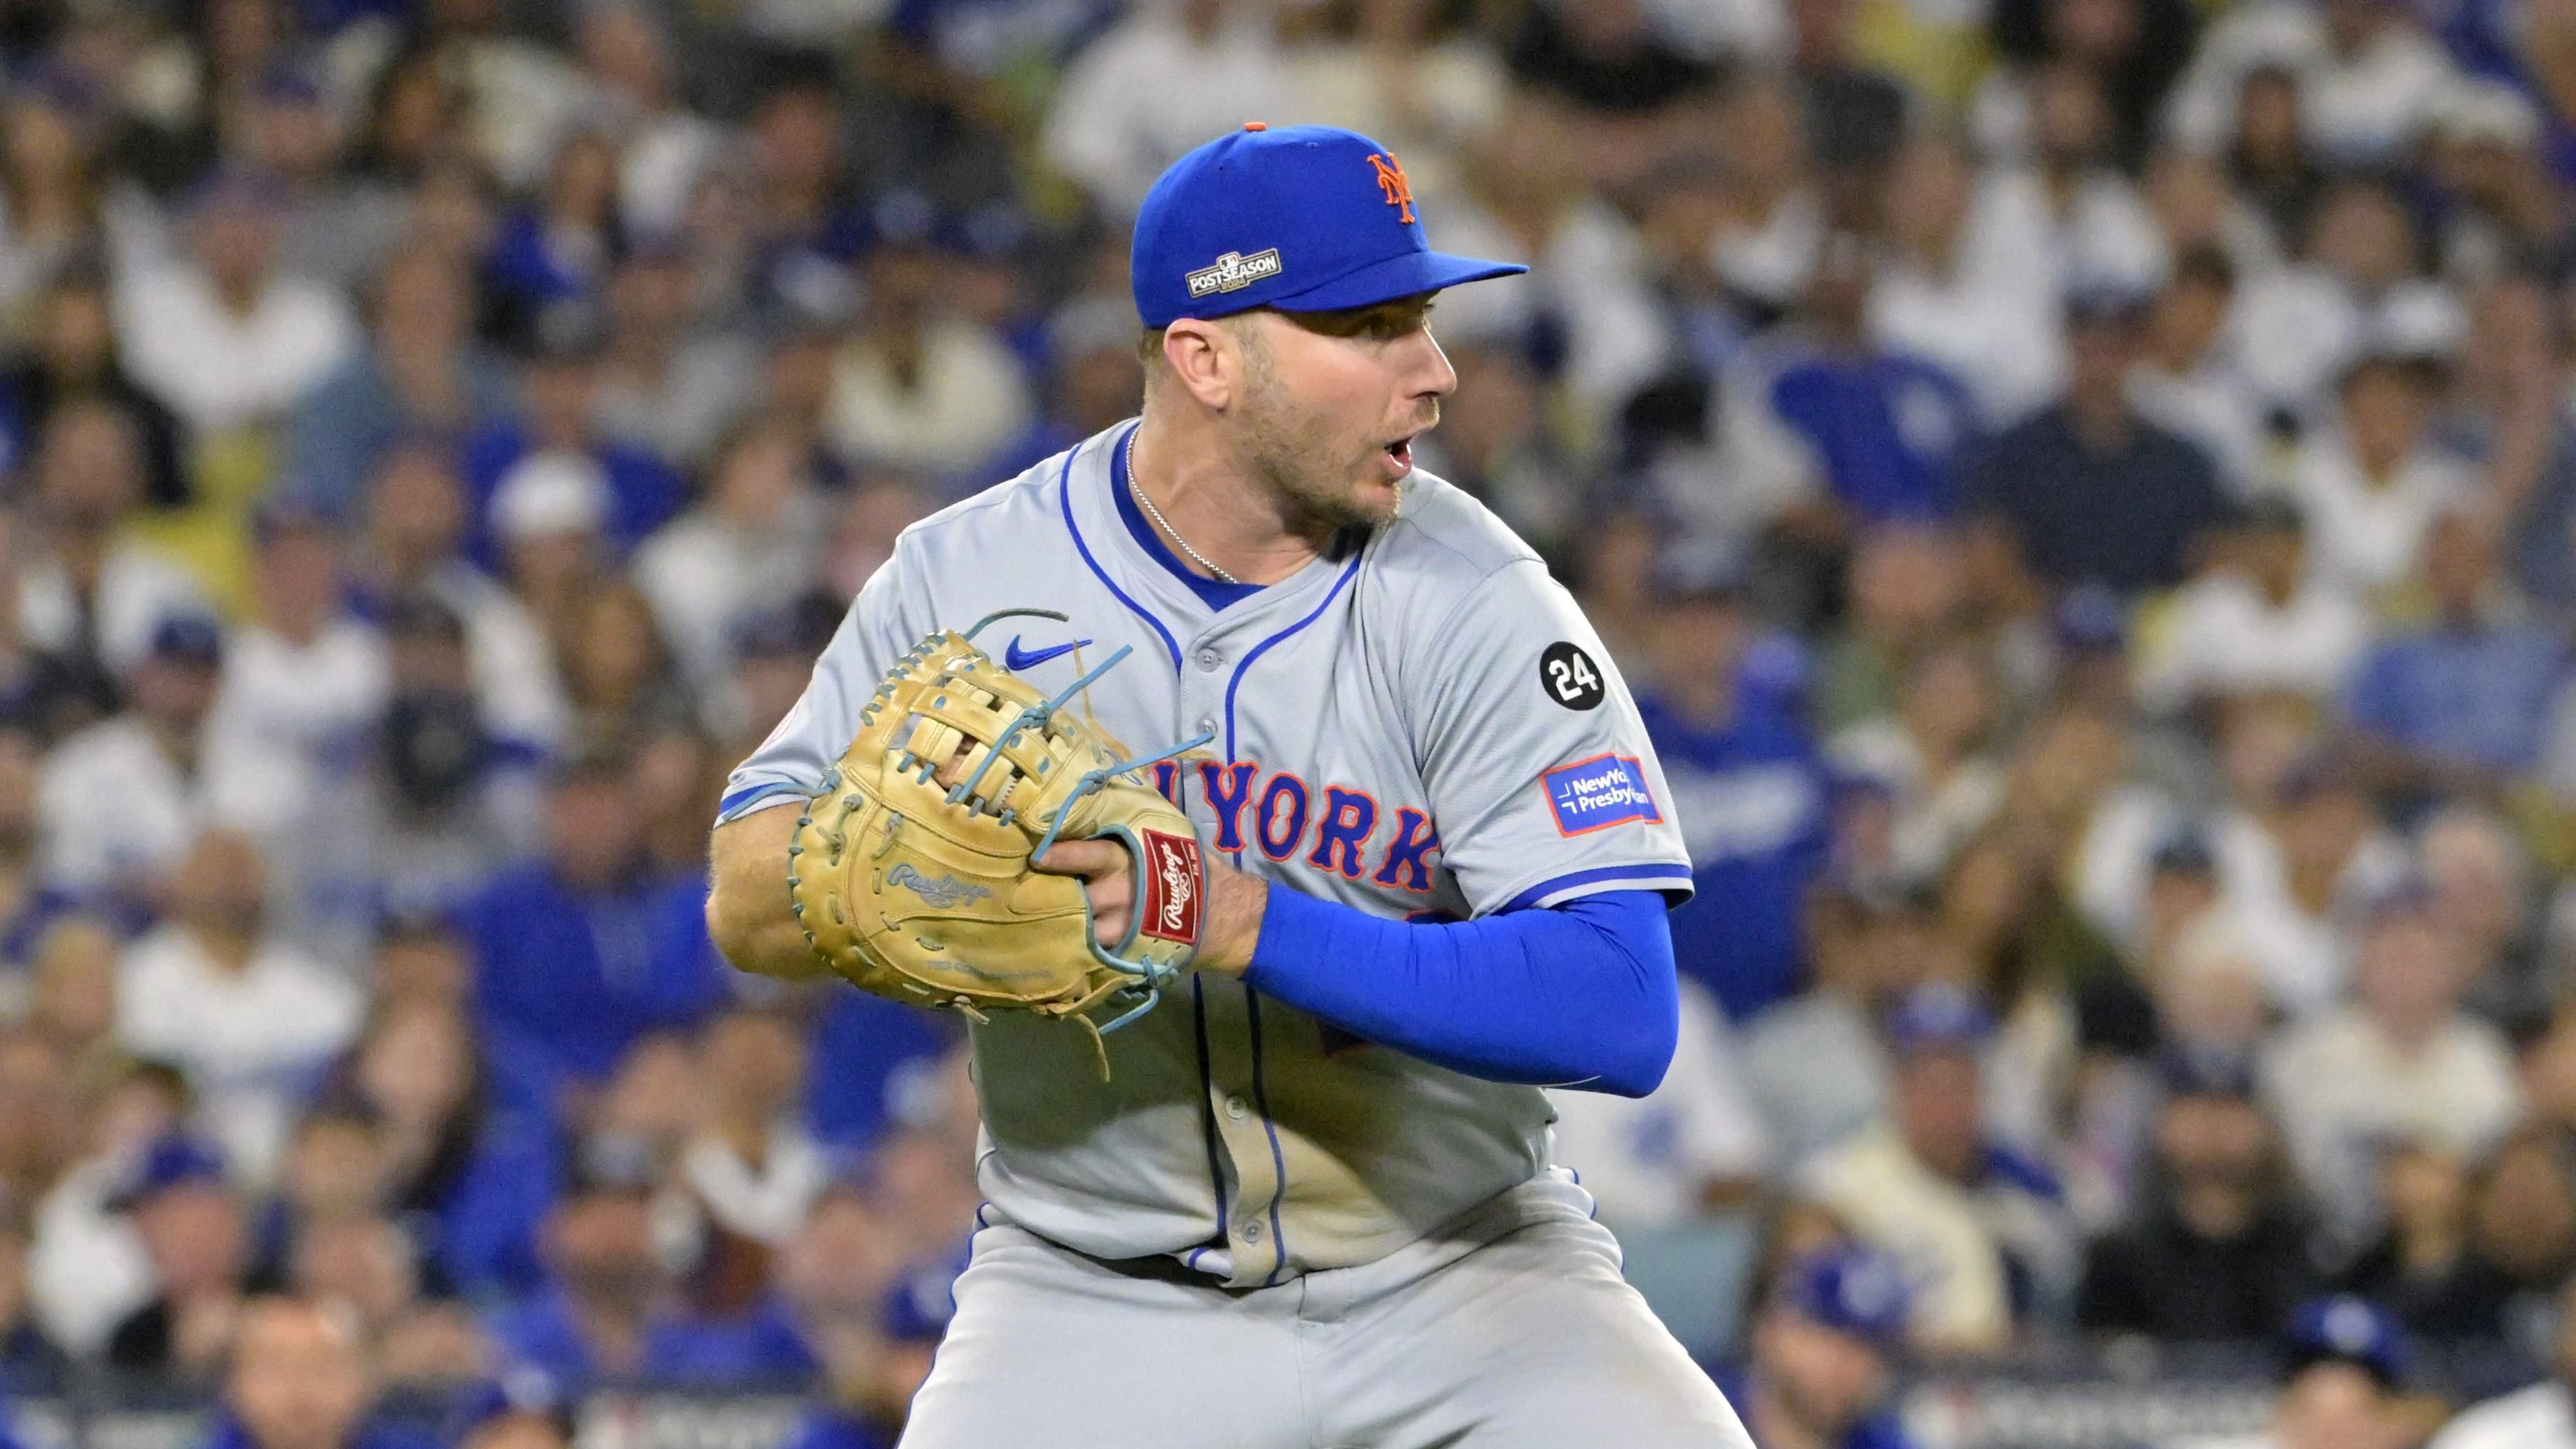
<point>1019,658</point>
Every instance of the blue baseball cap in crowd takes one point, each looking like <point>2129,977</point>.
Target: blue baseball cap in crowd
<point>1302,218</point>
<point>2348,1329</point>
<point>1938,1017</point>
<point>176,1160</point>
<point>1849,1290</point>
<point>188,639</point>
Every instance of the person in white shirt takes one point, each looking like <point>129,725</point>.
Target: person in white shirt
<point>2187,378</point>
<point>1162,80</point>
<point>2372,487</point>
<point>2370,80</point>
<point>751,548</point>
<point>2296,328</point>
<point>1694,1145</point>
<point>2260,623</point>
<point>169,781</point>
<point>2542,1416</point>
<point>302,682</point>
<point>245,1017</point>
<point>2402,1061</point>
<point>223,338</point>
<point>89,592</point>
<point>920,385</point>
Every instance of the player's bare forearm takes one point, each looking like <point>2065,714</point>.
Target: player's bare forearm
<point>750,914</point>
<point>1235,901</point>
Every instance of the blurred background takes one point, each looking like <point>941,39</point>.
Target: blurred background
<point>2084,489</point>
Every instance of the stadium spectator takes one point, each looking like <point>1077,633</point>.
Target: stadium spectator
<point>2216,1250</point>
<point>1820,1371</point>
<point>2259,620</point>
<point>2542,1416</point>
<point>559,415</point>
<point>300,1379</point>
<point>2343,1381</point>
<point>72,355</point>
<point>194,1229</point>
<point>583,950</point>
<point>2090,491</point>
<point>245,1015</point>
<point>1981,1227</point>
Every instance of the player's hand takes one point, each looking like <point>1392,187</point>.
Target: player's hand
<point>1234,901</point>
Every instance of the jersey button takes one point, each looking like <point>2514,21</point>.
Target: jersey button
<point>1235,1107</point>
<point>1207,726</point>
<point>1252,1231</point>
<point>1210,660</point>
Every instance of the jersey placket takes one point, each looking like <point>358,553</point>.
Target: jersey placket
<point>1231,1063</point>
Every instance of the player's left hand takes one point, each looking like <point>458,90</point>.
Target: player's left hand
<point>1234,901</point>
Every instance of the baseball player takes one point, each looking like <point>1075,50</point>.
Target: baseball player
<point>1311,1206</point>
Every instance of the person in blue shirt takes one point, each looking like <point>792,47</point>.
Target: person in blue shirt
<point>863,1050</point>
<point>610,1312</point>
<point>299,1379</point>
<point>1819,1376</point>
<point>580,952</point>
<point>873,1360</point>
<point>2462,704</point>
<point>1749,788</point>
<point>1887,429</point>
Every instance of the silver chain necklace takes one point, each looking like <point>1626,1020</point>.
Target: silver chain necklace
<point>1160,521</point>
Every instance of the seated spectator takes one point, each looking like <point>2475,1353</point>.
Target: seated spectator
<point>194,1226</point>
<point>582,951</point>
<point>2216,1249</point>
<point>620,678</point>
<point>1754,795</point>
<point>1983,1229</point>
<point>2371,489</point>
<point>421,375</point>
<point>1934,756</point>
<point>174,778</point>
<point>410,545</point>
<point>2261,620</point>
<point>921,385</point>
<point>2542,1416</point>
<point>2402,1060</point>
<point>90,589</point>
<point>74,358</point>
<point>1904,590</point>
<point>854,1312</point>
<point>2424,1268</point>
<point>248,1017</point>
<point>549,520</point>
<point>752,1168</point>
<point>2357,290</point>
<point>1820,1371</point>
<point>300,1379</point>
<point>554,254</point>
<point>610,1312</point>
<point>2187,378</point>
<point>664,384</point>
<point>2522,1225</point>
<point>224,338</point>
<point>560,416</point>
<point>1881,429</point>
<point>2088,490</point>
<point>469,1180</point>
<point>2343,1384</point>
<point>2462,705</point>
<point>750,548</point>
<point>1814,1062</point>
<point>86,1266</point>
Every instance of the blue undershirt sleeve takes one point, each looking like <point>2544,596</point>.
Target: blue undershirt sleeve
<point>1581,995</point>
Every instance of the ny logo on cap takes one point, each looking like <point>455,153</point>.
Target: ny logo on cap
<point>1233,272</point>
<point>1390,180</point>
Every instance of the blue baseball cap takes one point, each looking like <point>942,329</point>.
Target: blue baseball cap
<point>2348,1329</point>
<point>1302,218</point>
<point>1850,1290</point>
<point>1938,1017</point>
<point>176,1160</point>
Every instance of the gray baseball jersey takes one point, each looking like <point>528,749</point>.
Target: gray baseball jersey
<point>1420,724</point>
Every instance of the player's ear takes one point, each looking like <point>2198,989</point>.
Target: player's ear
<point>1205,358</point>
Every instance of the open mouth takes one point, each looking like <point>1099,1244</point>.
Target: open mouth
<point>1401,450</point>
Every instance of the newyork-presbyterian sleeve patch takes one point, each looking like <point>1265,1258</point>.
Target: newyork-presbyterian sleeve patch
<point>1598,793</point>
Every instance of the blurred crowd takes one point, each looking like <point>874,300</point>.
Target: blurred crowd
<point>2085,491</point>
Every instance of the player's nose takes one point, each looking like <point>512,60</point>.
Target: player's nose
<point>1426,369</point>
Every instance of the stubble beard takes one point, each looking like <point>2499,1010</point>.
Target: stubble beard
<point>1297,457</point>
